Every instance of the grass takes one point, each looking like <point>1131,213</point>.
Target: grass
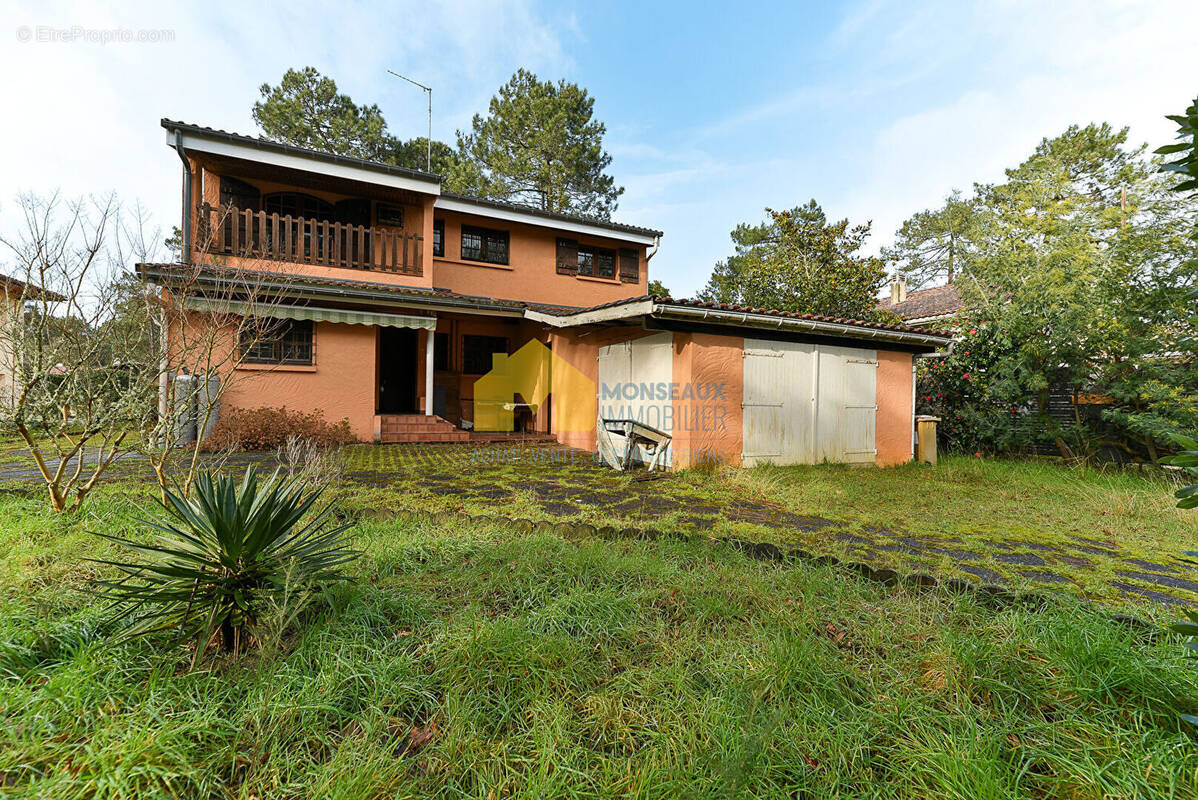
<point>469,660</point>
<point>1081,530</point>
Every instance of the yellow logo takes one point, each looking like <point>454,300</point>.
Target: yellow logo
<point>528,377</point>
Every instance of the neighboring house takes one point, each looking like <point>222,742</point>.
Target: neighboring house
<point>396,298</point>
<point>12,315</point>
<point>922,306</point>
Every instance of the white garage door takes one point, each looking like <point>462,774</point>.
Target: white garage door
<point>635,379</point>
<point>779,396</point>
<point>847,407</point>
<point>806,403</point>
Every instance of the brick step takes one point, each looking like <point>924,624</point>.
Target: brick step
<point>412,438</point>
<point>413,427</point>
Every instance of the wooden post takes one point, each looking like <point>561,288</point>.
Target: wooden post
<point>428,372</point>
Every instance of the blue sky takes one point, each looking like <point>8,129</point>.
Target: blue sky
<point>876,109</point>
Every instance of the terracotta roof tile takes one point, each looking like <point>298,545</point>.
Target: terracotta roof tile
<point>923,303</point>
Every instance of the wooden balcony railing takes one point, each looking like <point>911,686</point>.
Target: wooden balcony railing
<point>273,237</point>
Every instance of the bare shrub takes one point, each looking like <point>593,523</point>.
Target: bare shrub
<point>269,429</point>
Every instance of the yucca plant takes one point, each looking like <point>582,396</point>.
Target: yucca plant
<point>223,556</point>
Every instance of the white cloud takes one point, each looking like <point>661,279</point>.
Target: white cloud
<point>84,116</point>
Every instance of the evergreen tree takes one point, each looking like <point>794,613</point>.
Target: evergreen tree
<point>306,110</point>
<point>539,145</point>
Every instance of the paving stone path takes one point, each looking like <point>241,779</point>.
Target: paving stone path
<point>554,483</point>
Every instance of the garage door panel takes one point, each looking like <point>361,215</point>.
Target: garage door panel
<point>847,404</point>
<point>806,403</point>
<point>777,402</point>
<point>642,364</point>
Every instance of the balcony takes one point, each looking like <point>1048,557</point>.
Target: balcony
<point>249,234</point>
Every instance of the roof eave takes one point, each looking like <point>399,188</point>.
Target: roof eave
<point>248,148</point>
<point>750,319</point>
<point>510,212</point>
<point>383,297</point>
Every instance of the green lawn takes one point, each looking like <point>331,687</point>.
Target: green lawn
<point>1111,536</point>
<point>473,660</point>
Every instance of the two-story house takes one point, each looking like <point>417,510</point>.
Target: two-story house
<point>394,298</point>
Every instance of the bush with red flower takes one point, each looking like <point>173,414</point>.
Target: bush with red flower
<point>977,406</point>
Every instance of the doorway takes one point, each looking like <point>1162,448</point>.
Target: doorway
<point>397,370</point>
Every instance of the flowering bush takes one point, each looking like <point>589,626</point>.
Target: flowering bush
<point>978,408</point>
<point>270,428</point>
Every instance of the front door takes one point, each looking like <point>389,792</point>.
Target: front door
<point>397,370</point>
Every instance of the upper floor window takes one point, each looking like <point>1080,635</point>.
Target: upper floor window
<point>605,263</point>
<point>284,341</point>
<point>481,244</point>
<point>586,260</point>
<point>297,204</point>
<point>389,215</point>
<point>439,237</point>
<point>238,193</point>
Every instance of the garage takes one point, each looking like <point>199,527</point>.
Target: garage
<point>749,386</point>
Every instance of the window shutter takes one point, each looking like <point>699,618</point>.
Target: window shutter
<point>567,256</point>
<point>630,265</point>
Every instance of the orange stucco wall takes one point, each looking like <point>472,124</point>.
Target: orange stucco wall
<point>580,348</point>
<point>708,427</point>
<point>341,384</point>
<point>894,418</point>
<point>531,273</point>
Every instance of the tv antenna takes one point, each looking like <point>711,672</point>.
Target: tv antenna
<point>428,162</point>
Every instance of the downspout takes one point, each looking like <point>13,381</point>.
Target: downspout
<point>653,250</point>
<point>186,232</point>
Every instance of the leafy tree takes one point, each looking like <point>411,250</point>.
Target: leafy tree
<point>539,144</point>
<point>1186,150</point>
<point>658,289</point>
<point>799,261</point>
<point>931,246</point>
<point>305,109</point>
<point>1081,260</point>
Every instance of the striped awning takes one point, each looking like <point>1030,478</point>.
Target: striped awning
<point>278,311</point>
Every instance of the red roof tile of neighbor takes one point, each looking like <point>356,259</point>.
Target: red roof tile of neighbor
<point>923,303</point>
<point>30,291</point>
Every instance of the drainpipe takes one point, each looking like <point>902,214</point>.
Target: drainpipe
<point>186,237</point>
<point>653,250</point>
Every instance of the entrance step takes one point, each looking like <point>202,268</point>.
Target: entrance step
<point>396,428</point>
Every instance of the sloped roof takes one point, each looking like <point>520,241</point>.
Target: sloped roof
<point>293,150</point>
<point>347,288</point>
<point>28,290</point>
<point>938,301</point>
<point>687,303</point>
<point>259,143</point>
